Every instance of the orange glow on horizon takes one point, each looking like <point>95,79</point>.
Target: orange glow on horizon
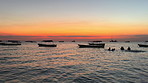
<point>103,30</point>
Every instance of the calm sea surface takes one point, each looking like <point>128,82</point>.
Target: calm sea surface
<point>67,63</point>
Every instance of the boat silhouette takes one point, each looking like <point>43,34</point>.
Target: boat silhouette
<point>113,41</point>
<point>142,45</point>
<point>10,44</point>
<point>47,45</point>
<point>47,41</point>
<point>90,46</point>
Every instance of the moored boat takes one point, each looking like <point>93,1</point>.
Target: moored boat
<point>142,45</point>
<point>10,44</point>
<point>14,41</point>
<point>127,41</point>
<point>47,41</point>
<point>96,41</point>
<point>134,51</point>
<point>31,41</point>
<point>113,41</point>
<point>61,41</point>
<point>91,46</point>
<point>73,41</point>
<point>47,45</point>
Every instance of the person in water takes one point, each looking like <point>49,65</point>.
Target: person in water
<point>128,48</point>
<point>113,49</point>
<point>109,49</point>
<point>122,48</point>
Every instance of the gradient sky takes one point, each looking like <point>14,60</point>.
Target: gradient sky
<point>74,19</point>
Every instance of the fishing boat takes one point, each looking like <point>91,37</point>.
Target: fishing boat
<point>91,46</point>
<point>127,41</point>
<point>134,51</point>
<point>95,41</point>
<point>142,45</point>
<point>10,44</point>
<point>47,41</point>
<point>73,41</point>
<point>31,41</point>
<point>61,41</point>
<point>113,41</point>
<point>14,41</point>
<point>47,45</point>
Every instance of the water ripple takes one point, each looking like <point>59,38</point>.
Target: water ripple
<point>67,63</point>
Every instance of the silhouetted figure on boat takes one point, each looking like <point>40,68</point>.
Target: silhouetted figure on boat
<point>128,48</point>
<point>122,48</point>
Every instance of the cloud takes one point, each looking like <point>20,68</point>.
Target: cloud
<point>18,36</point>
<point>145,36</point>
<point>74,36</point>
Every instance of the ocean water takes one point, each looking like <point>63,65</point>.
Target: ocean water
<point>67,63</point>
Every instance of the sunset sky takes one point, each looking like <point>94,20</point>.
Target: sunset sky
<point>74,19</point>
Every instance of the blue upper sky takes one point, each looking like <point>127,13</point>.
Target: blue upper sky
<point>112,10</point>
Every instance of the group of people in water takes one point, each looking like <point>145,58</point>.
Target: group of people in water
<point>122,48</point>
<point>109,49</point>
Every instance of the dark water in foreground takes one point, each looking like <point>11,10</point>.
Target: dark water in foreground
<point>67,63</point>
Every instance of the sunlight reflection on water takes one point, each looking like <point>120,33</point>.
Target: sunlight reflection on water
<point>68,63</point>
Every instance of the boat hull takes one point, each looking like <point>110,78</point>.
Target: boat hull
<point>134,51</point>
<point>47,45</point>
<point>142,45</point>
<point>90,46</point>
